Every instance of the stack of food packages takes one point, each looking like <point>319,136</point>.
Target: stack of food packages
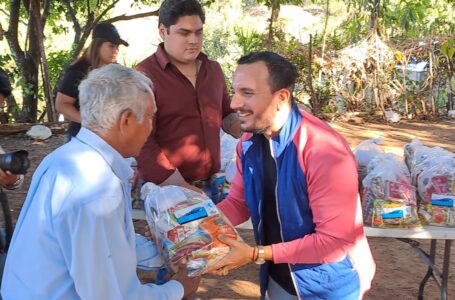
<point>433,173</point>
<point>185,224</point>
<point>389,199</point>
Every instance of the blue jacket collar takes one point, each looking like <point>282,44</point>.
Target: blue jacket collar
<point>285,136</point>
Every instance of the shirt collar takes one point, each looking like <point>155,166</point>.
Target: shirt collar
<point>120,165</point>
<point>163,59</point>
<point>287,132</point>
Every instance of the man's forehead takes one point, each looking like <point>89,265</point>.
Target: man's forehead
<point>254,74</point>
<point>193,22</point>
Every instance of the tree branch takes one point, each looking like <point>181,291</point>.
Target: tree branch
<point>72,15</point>
<point>11,34</point>
<point>96,9</point>
<point>8,16</point>
<point>46,12</point>
<point>104,12</point>
<point>89,9</point>
<point>124,17</point>
<point>26,4</point>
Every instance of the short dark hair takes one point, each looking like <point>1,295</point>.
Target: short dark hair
<point>5,85</point>
<point>282,73</point>
<point>171,10</point>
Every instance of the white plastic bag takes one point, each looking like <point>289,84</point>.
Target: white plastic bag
<point>366,150</point>
<point>186,224</point>
<point>389,199</point>
<point>433,173</point>
<point>228,145</point>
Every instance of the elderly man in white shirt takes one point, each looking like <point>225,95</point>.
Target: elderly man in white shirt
<point>75,238</point>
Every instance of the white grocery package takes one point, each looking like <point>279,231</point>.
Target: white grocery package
<point>186,224</point>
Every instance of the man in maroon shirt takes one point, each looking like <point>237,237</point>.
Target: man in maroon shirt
<point>192,102</point>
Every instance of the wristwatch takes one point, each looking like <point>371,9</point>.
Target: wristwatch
<point>261,256</point>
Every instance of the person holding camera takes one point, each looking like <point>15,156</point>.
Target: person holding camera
<point>8,180</point>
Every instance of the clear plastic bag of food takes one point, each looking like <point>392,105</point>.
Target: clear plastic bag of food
<point>394,214</point>
<point>433,173</point>
<point>389,200</point>
<point>186,224</point>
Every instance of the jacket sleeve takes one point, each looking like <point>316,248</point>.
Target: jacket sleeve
<point>331,175</point>
<point>152,163</point>
<point>234,206</point>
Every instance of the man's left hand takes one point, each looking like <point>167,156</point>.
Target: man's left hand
<point>240,254</point>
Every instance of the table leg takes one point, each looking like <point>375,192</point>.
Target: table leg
<point>445,269</point>
<point>429,271</point>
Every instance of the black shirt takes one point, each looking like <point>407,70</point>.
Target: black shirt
<point>279,272</point>
<point>5,85</point>
<point>69,87</point>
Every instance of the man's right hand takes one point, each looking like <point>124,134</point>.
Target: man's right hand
<point>190,284</point>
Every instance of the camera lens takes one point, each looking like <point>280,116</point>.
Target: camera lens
<point>16,162</point>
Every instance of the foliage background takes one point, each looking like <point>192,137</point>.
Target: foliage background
<point>234,28</point>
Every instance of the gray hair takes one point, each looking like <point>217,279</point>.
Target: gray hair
<point>110,90</point>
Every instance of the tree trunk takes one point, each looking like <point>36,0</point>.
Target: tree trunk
<point>315,104</point>
<point>449,83</point>
<point>450,93</point>
<point>430,83</point>
<point>27,61</point>
<point>404,74</point>
<point>275,11</point>
<point>324,34</point>
<point>35,13</point>
<point>30,73</point>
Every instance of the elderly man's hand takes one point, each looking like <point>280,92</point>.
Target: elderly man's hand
<point>190,284</point>
<point>239,254</point>
<point>7,178</point>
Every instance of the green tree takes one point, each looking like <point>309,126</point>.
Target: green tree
<point>274,6</point>
<point>28,52</point>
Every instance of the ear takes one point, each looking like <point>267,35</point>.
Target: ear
<point>284,96</point>
<point>125,121</point>
<point>162,31</point>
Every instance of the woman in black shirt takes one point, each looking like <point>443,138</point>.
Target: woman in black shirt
<point>102,50</point>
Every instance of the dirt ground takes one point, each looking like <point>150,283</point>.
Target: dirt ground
<point>399,269</point>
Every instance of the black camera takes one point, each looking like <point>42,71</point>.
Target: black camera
<point>16,162</point>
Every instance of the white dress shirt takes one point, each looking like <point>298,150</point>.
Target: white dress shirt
<point>74,238</point>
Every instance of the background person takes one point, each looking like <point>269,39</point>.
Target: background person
<point>297,180</point>
<point>8,180</point>
<point>192,101</point>
<point>103,50</point>
<point>77,215</point>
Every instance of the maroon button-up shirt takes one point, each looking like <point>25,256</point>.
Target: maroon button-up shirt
<point>186,131</point>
